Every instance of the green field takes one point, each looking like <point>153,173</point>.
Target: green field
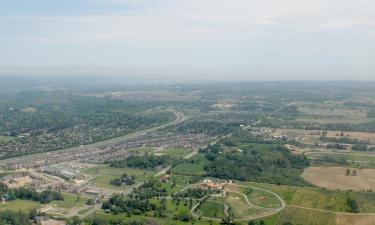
<point>305,217</point>
<point>320,198</point>
<point>104,175</point>
<point>5,139</point>
<point>239,208</point>
<point>23,205</point>
<point>152,220</point>
<point>70,201</point>
<point>194,166</point>
<point>359,160</point>
<point>261,198</point>
<point>211,209</point>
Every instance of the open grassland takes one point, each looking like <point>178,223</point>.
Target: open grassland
<point>70,201</point>
<point>353,159</point>
<point>261,198</point>
<point>239,207</point>
<point>211,209</point>
<point>318,198</point>
<point>336,178</point>
<point>193,166</point>
<point>104,174</point>
<point>23,205</point>
<point>305,217</point>
<point>152,220</point>
<point>5,139</point>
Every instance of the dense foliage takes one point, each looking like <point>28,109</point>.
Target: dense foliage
<point>141,162</point>
<point>261,162</point>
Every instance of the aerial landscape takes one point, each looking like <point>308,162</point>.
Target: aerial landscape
<point>209,112</point>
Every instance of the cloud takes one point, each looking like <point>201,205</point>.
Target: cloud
<point>276,34</point>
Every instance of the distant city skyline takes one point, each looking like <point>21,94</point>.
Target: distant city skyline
<point>190,39</point>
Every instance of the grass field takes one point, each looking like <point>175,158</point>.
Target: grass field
<point>335,178</point>
<point>212,210</point>
<point>5,139</point>
<point>239,207</point>
<point>320,198</point>
<point>195,166</point>
<point>305,217</point>
<point>104,175</point>
<point>70,201</point>
<point>354,159</point>
<point>153,220</point>
<point>261,198</point>
<point>23,205</point>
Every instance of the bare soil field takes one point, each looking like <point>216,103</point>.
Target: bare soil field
<point>357,135</point>
<point>335,178</point>
<point>311,136</point>
<point>355,220</point>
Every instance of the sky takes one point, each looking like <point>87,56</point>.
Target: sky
<point>190,39</point>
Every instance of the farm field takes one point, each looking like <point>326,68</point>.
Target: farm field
<point>336,178</point>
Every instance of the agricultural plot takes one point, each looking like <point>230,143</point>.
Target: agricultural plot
<point>336,178</point>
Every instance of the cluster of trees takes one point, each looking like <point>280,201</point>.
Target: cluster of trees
<point>363,147</point>
<point>352,205</point>
<point>342,139</point>
<point>43,197</point>
<point>138,202</point>
<point>46,123</point>
<point>14,218</point>
<point>148,161</point>
<point>131,205</point>
<point>194,193</point>
<point>261,162</point>
<point>210,127</point>
<point>125,179</point>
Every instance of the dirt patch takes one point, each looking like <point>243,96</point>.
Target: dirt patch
<point>335,178</point>
<point>355,220</point>
<point>19,182</point>
<point>231,188</point>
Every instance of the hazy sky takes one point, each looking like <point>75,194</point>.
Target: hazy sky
<point>244,39</point>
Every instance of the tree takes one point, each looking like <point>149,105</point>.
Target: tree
<point>347,173</point>
<point>75,220</point>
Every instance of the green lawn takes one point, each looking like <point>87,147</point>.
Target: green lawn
<point>23,205</point>
<point>194,166</point>
<point>320,198</point>
<point>261,198</point>
<point>5,139</point>
<point>305,217</point>
<point>70,201</point>
<point>150,220</point>
<point>104,175</point>
<point>239,207</point>
<point>211,209</point>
